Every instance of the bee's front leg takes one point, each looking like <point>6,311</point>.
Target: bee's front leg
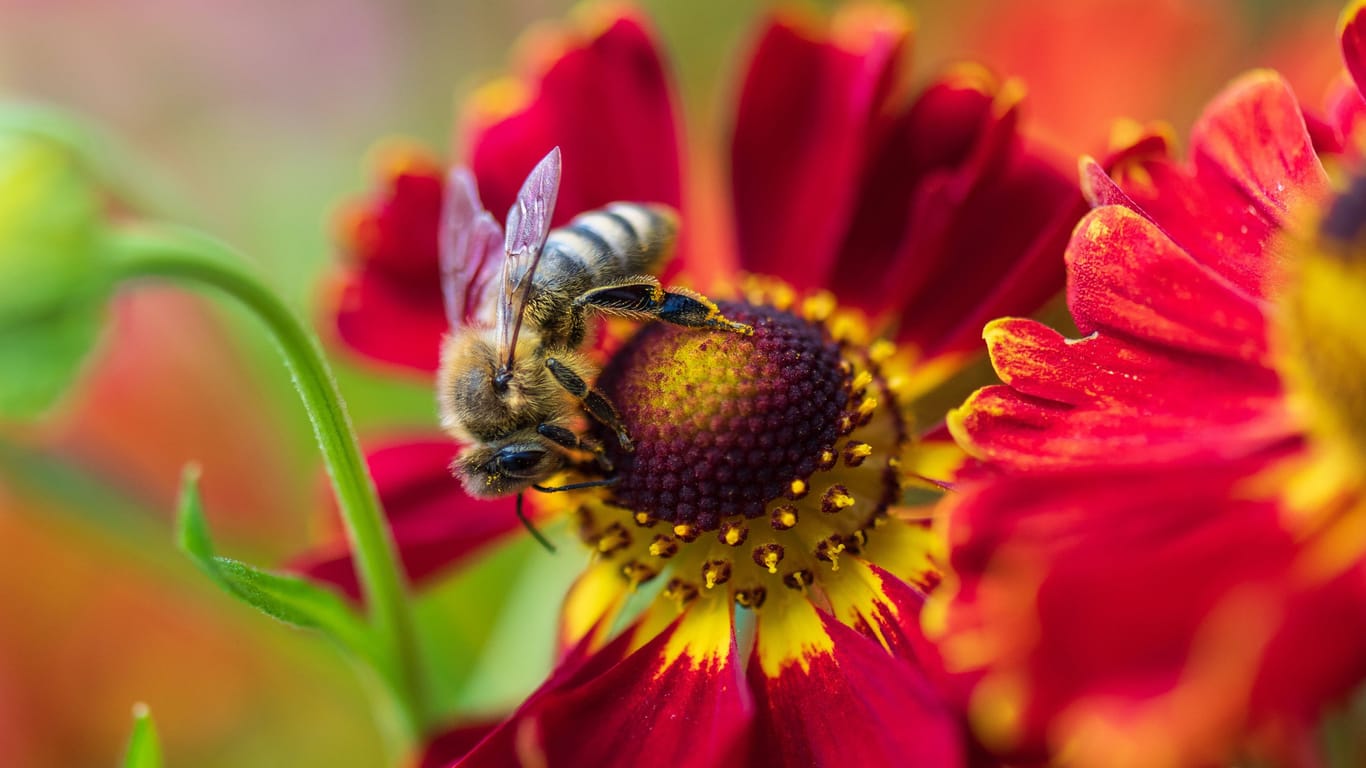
<point>642,297</point>
<point>593,401</point>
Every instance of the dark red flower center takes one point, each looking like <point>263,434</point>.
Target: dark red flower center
<point>725,423</point>
<point>758,459</point>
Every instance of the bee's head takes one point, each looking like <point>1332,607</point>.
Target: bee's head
<point>507,466</point>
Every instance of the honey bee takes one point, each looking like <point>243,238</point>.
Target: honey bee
<point>512,377</point>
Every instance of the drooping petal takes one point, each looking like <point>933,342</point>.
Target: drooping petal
<point>1000,247</point>
<point>886,205</point>
<point>679,699</point>
<point>1130,612</point>
<point>1254,135</point>
<point>811,105</point>
<point>387,304</point>
<point>435,524</point>
<point>1100,399</point>
<point>827,695</point>
<point>1252,163</point>
<point>603,97</point>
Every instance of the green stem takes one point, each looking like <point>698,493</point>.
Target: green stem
<point>187,256</point>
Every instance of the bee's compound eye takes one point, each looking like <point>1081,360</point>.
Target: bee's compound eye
<point>518,461</point>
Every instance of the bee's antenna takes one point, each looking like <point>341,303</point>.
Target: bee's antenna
<point>535,533</point>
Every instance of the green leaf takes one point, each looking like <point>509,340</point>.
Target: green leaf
<point>291,599</point>
<point>143,749</point>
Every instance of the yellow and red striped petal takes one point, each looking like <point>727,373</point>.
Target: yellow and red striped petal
<point>1127,277</point>
<point>1101,399</point>
<point>1144,611</point>
<point>837,697</point>
<point>680,699</point>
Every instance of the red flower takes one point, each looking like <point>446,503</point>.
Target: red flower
<point>1159,560</point>
<point>767,469</point>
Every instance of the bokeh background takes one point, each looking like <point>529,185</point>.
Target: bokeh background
<point>253,120</point>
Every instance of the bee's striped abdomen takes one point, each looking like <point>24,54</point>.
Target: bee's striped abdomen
<point>619,240</point>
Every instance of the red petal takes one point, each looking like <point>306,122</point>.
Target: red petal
<point>434,523</point>
<point>811,105</point>
<point>855,705</point>
<point>393,321</point>
<point>1127,277</point>
<point>454,743</point>
<point>689,709</point>
<point>1252,162</point>
<point>1253,134</point>
<point>957,200</point>
<point>1346,113</point>
<point>1103,399</point>
<point>605,101</point>
<point>1112,594</point>
<point>387,304</point>
<point>1352,34</point>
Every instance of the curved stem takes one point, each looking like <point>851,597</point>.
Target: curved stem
<point>189,257</point>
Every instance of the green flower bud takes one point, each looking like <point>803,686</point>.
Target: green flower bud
<point>54,269</point>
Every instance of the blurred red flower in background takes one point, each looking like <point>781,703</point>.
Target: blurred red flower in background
<point>1159,559</point>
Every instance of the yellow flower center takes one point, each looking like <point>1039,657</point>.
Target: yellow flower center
<point>759,460</point>
<point>1323,323</point>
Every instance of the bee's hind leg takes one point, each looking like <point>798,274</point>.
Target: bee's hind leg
<point>642,297</point>
<point>597,404</point>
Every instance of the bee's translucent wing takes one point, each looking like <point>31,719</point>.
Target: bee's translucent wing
<point>471,253</point>
<point>528,224</point>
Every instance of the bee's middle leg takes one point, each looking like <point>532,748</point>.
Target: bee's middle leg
<point>597,404</point>
<point>566,438</point>
<point>643,297</point>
